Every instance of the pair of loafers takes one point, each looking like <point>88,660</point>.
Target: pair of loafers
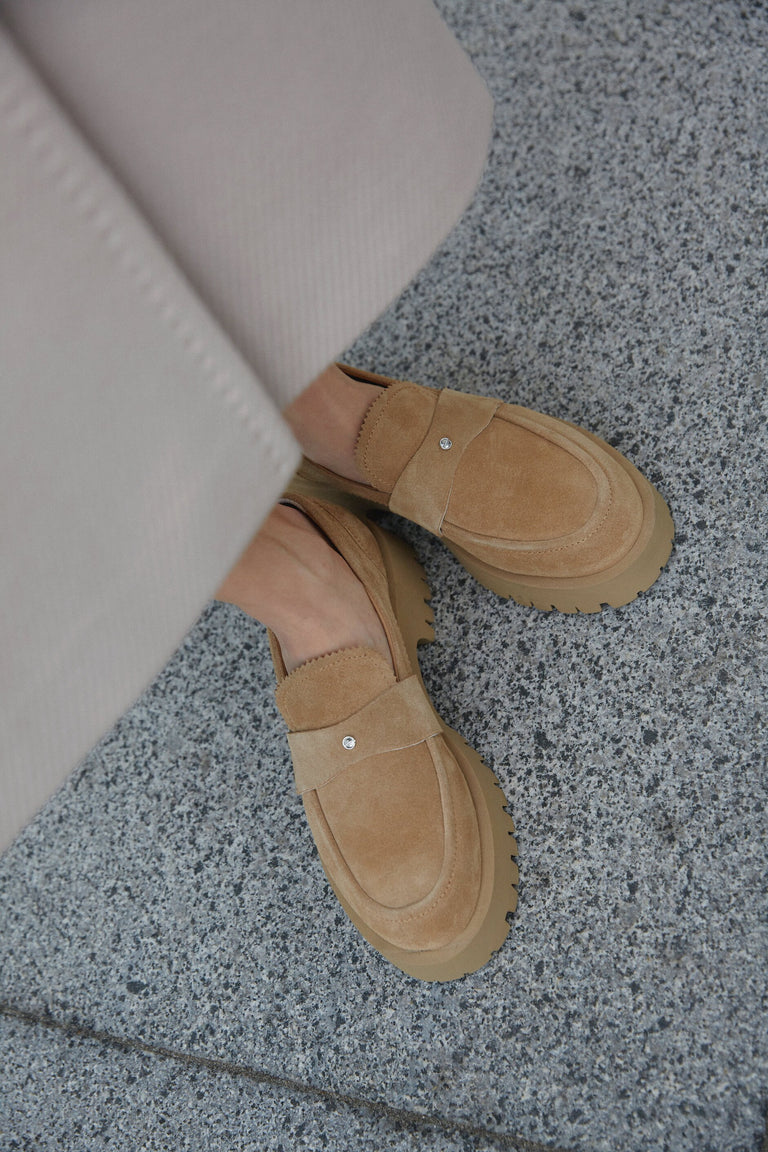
<point>410,824</point>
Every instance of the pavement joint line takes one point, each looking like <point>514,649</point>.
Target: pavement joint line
<point>414,1120</point>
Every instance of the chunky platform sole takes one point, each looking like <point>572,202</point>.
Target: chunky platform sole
<point>613,587</point>
<point>488,927</point>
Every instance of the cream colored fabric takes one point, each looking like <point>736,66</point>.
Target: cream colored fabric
<point>301,159</point>
<point>134,446</point>
<point>200,206</point>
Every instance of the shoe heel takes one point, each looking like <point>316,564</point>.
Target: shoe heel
<point>409,591</point>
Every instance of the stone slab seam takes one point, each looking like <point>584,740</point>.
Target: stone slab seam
<point>413,1120</point>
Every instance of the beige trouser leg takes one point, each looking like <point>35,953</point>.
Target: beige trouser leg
<point>232,194</point>
<point>138,451</point>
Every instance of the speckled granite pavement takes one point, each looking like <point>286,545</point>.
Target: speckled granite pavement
<point>613,270</point>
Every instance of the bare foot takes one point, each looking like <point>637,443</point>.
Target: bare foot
<point>326,420</point>
<point>292,580</point>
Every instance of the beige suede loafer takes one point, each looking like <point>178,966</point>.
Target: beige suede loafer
<point>535,508</point>
<point>408,821</point>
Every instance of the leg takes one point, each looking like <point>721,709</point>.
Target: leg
<point>289,578</point>
<point>292,580</point>
<point>326,419</point>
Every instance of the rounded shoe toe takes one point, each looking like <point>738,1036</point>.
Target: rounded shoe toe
<point>399,834</point>
<point>537,497</point>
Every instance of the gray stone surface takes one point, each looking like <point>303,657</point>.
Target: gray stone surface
<point>612,271</point>
<point>98,1097</point>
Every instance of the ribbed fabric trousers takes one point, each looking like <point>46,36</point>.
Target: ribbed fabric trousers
<point>201,206</point>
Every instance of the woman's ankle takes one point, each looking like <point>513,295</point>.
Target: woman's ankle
<point>291,580</point>
<point>327,417</point>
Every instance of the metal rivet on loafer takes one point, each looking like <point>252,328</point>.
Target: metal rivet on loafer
<point>349,742</point>
<point>445,443</point>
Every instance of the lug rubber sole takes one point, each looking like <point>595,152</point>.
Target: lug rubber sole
<point>613,589</point>
<point>488,926</point>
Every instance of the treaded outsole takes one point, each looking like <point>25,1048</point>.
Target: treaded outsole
<point>585,594</point>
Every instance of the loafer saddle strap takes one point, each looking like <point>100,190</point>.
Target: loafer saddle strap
<point>399,718</point>
<point>423,488</point>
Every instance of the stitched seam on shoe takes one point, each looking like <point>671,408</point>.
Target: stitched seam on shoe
<point>348,767</point>
<point>383,403</point>
<point>358,652</point>
<point>576,541</point>
<point>394,914</point>
<point>559,547</point>
<point>390,393</point>
<point>367,419</point>
<point>384,608</point>
<point>458,465</point>
<point>29,120</point>
<point>338,519</point>
<point>448,885</point>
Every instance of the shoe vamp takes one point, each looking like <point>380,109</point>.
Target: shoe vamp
<point>401,839</point>
<point>516,485</point>
<point>385,816</point>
